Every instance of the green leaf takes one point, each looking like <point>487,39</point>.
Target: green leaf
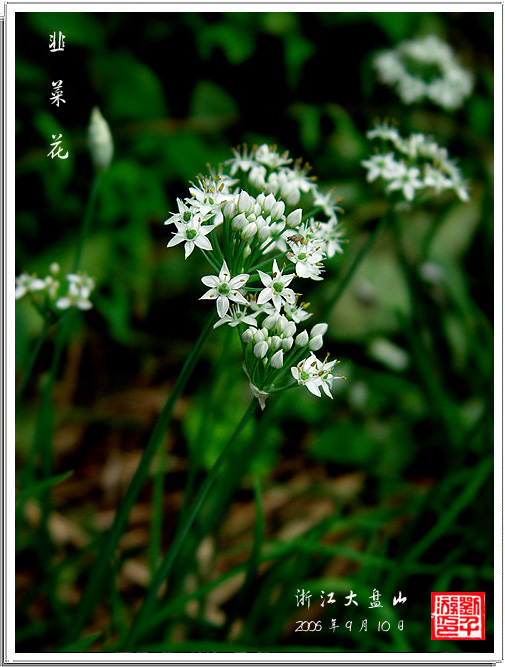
<point>209,99</point>
<point>129,88</point>
<point>308,117</point>
<point>457,229</point>
<point>237,43</point>
<point>43,485</point>
<point>81,644</point>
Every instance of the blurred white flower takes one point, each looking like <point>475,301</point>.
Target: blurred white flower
<point>425,68</point>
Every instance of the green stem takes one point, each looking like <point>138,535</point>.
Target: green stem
<point>353,268</point>
<point>98,573</point>
<point>31,362</point>
<point>157,508</point>
<point>205,428</point>
<point>43,429</point>
<point>252,567</point>
<point>421,354</point>
<point>173,551</point>
<point>88,216</point>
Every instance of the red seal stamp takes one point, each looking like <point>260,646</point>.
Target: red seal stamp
<point>457,616</point>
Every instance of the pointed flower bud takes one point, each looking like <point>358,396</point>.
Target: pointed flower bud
<point>249,231</point>
<point>239,221</point>
<point>100,141</point>
<point>230,209</point>
<point>302,339</point>
<point>260,349</point>
<point>294,218</point>
<point>319,329</point>
<point>277,210</point>
<point>277,360</point>
<point>316,343</point>
<point>287,343</point>
<point>245,203</point>
<point>248,335</point>
<point>275,342</point>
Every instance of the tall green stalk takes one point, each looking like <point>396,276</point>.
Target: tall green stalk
<point>421,355</point>
<point>365,249</point>
<point>31,362</point>
<point>93,590</point>
<point>88,216</point>
<point>170,556</point>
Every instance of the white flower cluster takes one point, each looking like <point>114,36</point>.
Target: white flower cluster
<point>413,166</point>
<point>263,205</point>
<point>425,68</point>
<point>50,296</point>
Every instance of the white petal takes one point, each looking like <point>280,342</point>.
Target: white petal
<point>222,305</point>
<point>203,242</point>
<point>63,303</point>
<point>176,238</point>
<point>224,274</point>
<point>289,295</point>
<point>239,281</point>
<point>209,294</point>
<point>210,281</point>
<point>188,248</point>
<point>265,295</point>
<point>313,387</point>
<point>265,278</point>
<point>237,297</point>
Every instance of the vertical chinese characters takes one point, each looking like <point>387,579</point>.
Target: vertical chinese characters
<point>57,43</point>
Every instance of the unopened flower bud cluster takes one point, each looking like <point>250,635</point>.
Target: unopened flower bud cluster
<point>51,296</point>
<point>412,166</point>
<point>425,69</point>
<point>262,222</point>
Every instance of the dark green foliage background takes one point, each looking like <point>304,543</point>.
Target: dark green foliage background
<point>178,90</point>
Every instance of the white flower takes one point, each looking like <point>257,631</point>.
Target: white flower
<point>238,316</point>
<point>425,68</point>
<point>241,160</point>
<point>384,131</point>
<point>418,164</point>
<point>307,255</point>
<point>315,374</point>
<point>192,234</point>
<point>328,203</point>
<point>380,166</point>
<point>268,156</point>
<point>186,214</point>
<point>80,287</point>
<point>297,313</point>
<point>210,197</point>
<point>406,179</point>
<point>306,373</point>
<point>290,183</point>
<point>224,289</point>
<point>276,287</point>
<point>26,283</point>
